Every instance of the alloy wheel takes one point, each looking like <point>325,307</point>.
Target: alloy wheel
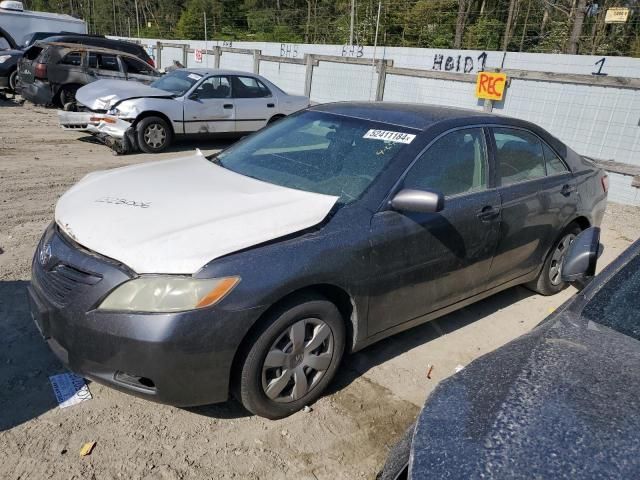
<point>155,135</point>
<point>297,360</point>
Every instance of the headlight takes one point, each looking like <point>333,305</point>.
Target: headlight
<point>114,111</point>
<point>168,294</point>
<point>4,58</point>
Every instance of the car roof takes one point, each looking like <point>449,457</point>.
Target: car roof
<point>82,47</point>
<point>218,71</point>
<point>411,115</point>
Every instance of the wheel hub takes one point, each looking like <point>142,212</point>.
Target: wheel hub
<point>297,360</point>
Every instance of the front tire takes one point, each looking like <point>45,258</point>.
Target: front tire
<point>153,134</point>
<point>293,358</point>
<point>549,281</point>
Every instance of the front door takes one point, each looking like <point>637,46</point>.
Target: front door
<point>138,70</point>
<point>255,104</point>
<point>210,108</point>
<point>426,261</point>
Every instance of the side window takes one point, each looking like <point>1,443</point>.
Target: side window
<point>104,62</point>
<point>73,58</point>
<point>214,87</point>
<point>248,87</point>
<point>519,155</point>
<point>454,164</point>
<point>136,67</point>
<point>554,163</point>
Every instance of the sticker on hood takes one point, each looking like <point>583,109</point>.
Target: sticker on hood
<point>389,136</point>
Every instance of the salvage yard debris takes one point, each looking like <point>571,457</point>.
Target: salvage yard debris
<point>69,389</point>
<point>87,448</point>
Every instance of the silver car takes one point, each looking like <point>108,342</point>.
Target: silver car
<point>129,115</point>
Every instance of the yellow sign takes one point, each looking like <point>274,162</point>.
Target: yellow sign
<point>490,86</point>
<point>616,15</point>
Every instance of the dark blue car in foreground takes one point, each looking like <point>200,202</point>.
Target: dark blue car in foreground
<point>253,271</point>
<point>560,402</point>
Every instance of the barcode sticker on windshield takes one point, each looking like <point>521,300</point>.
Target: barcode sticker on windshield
<point>194,76</point>
<point>388,136</point>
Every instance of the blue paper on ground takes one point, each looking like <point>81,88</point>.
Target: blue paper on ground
<point>69,389</point>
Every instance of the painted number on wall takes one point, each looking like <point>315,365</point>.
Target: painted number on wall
<point>490,86</point>
<point>356,51</point>
<point>600,65</point>
<point>288,50</point>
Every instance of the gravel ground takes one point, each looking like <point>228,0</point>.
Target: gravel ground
<point>346,435</point>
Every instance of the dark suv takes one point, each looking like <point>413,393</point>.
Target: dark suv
<point>51,73</point>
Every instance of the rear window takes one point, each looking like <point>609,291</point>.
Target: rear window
<point>32,53</point>
<point>616,304</point>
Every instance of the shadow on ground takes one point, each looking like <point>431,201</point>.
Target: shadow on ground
<point>25,360</point>
<point>186,144</point>
<point>359,363</point>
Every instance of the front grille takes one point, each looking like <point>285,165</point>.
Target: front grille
<point>62,282</point>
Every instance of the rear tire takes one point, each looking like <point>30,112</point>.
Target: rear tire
<point>13,81</point>
<point>274,119</point>
<point>549,281</point>
<point>153,134</point>
<point>294,356</point>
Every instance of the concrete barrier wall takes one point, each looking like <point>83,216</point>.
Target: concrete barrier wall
<point>599,121</point>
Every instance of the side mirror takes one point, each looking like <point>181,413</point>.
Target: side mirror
<point>579,263</point>
<point>422,201</point>
<point>194,96</point>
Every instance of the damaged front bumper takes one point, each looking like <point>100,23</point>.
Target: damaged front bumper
<point>116,133</point>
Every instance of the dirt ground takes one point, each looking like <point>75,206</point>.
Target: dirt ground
<point>347,434</point>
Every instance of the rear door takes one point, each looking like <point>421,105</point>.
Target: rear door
<point>105,66</point>
<point>254,102</point>
<point>138,70</point>
<point>538,198</point>
<point>427,261</point>
<point>209,108</point>
<point>70,69</point>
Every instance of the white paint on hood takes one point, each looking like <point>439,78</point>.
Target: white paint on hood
<point>101,95</point>
<point>174,216</point>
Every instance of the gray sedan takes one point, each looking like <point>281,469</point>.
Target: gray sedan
<point>129,115</point>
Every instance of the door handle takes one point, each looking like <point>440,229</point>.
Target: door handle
<point>567,190</point>
<point>228,105</point>
<point>488,213</point>
<point>271,105</point>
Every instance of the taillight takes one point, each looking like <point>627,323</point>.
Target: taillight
<point>605,183</point>
<point>40,71</point>
<point>151,62</point>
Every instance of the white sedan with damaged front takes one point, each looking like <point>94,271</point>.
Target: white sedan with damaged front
<point>129,116</point>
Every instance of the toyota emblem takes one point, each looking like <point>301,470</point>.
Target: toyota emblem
<point>45,255</point>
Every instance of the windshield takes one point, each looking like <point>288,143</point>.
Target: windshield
<point>616,304</point>
<point>318,152</point>
<point>177,82</point>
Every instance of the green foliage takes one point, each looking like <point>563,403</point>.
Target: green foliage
<point>414,23</point>
<point>484,34</point>
<point>555,39</point>
<point>431,23</point>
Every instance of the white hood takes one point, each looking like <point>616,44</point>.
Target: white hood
<point>103,94</point>
<point>174,216</point>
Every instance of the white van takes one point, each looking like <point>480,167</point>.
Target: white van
<point>16,23</point>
